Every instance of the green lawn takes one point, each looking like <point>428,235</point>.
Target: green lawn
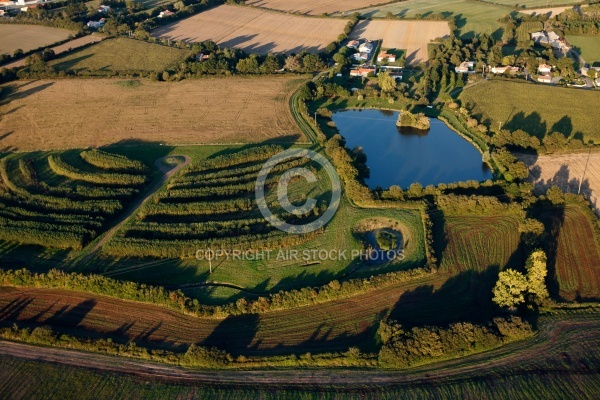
<point>472,17</point>
<point>588,46</point>
<point>537,109</point>
<point>120,54</point>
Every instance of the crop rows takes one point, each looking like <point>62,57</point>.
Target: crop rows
<point>60,200</point>
<point>210,205</point>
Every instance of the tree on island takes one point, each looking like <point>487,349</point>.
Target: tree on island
<point>416,121</point>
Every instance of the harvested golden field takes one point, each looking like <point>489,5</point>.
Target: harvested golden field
<point>29,37</point>
<point>566,171</point>
<point>61,48</point>
<point>412,36</point>
<point>315,7</point>
<point>255,31</point>
<point>44,115</point>
<point>549,11</point>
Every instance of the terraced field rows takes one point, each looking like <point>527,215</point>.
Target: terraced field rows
<point>62,201</point>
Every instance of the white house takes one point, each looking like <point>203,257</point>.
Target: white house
<point>544,69</point>
<point>165,13</point>
<point>464,67</point>
<point>366,47</point>
<point>96,24</point>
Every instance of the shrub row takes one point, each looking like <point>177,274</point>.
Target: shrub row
<point>60,167</point>
<point>113,162</point>
<point>252,154</point>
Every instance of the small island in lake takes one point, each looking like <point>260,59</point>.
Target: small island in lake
<point>415,121</point>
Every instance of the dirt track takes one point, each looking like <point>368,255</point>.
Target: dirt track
<point>568,346</point>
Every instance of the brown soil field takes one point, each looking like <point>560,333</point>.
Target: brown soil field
<point>412,36</point>
<point>315,7</point>
<point>566,171</point>
<point>61,48</point>
<point>255,31</point>
<point>29,37</point>
<point>45,115</point>
<point>573,253</point>
<point>331,326</point>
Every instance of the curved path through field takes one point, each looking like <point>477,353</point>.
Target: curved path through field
<point>566,346</point>
<point>167,171</point>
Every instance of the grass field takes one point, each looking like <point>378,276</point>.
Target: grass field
<point>525,29</point>
<point>255,31</point>
<point>587,46</point>
<point>29,37</point>
<point>536,109</point>
<point>61,48</point>
<point>120,54</point>
<point>313,7</point>
<point>472,17</point>
<point>412,36</point>
<point>99,112</point>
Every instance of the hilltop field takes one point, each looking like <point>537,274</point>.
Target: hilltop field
<point>96,112</point>
<point>254,30</point>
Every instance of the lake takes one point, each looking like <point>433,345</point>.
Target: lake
<point>403,156</point>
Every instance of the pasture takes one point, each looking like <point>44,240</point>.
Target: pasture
<point>29,37</point>
<point>254,30</point>
<point>312,7</point>
<point>120,54</point>
<point>587,46</point>
<point>536,109</point>
<point>96,112</point>
<point>412,36</point>
<point>472,17</point>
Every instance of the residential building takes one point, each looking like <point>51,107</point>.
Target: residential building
<point>544,69</point>
<point>366,47</point>
<point>465,67</point>
<point>385,56</point>
<point>353,44</point>
<point>545,79</point>
<point>363,71</point>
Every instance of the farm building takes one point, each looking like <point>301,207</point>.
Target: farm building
<point>385,56</point>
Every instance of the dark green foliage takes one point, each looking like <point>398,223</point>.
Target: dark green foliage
<point>404,348</point>
<point>113,162</point>
<point>60,167</point>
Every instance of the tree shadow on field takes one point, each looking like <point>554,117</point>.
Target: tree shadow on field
<point>466,296</point>
<point>532,124</point>
<point>69,65</point>
<point>13,309</point>
<point>13,92</point>
<point>235,334</point>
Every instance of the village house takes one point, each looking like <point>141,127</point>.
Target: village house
<point>544,69</point>
<point>504,70</point>
<point>385,56</point>
<point>201,57</point>
<point>360,56</point>
<point>552,39</point>
<point>363,71</point>
<point>96,24</point>
<point>353,44</point>
<point>165,13</point>
<point>545,79</point>
<point>366,47</point>
<point>104,9</point>
<point>465,67</point>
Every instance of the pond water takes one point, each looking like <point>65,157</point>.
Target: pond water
<point>404,156</point>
